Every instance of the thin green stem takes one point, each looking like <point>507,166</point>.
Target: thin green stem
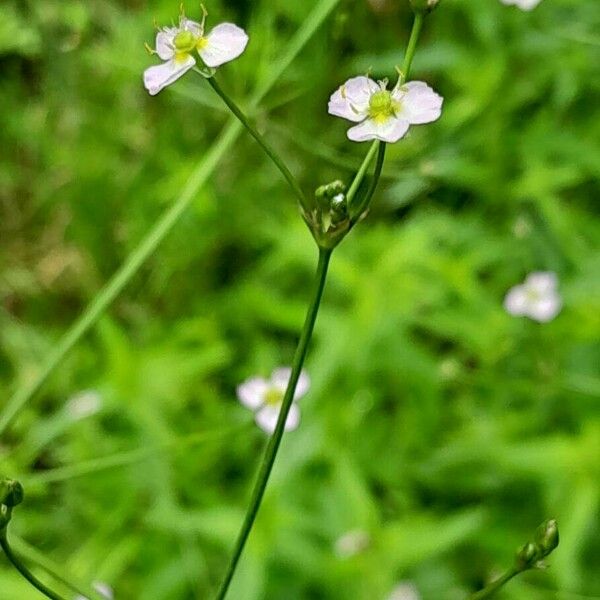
<point>16,562</point>
<point>412,46</point>
<point>365,202</point>
<point>275,440</point>
<point>362,171</point>
<point>493,587</point>
<point>164,225</point>
<point>269,150</point>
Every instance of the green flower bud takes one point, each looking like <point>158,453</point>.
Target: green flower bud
<point>527,556</point>
<point>423,6</point>
<point>546,537</point>
<point>11,492</point>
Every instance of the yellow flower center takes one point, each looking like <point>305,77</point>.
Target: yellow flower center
<point>273,397</point>
<point>184,42</point>
<point>382,106</point>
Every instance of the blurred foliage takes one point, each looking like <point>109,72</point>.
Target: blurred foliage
<point>438,424</point>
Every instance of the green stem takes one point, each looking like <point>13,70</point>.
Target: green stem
<point>275,440</point>
<point>33,580</point>
<point>269,150</point>
<point>148,245</point>
<point>493,587</point>
<point>412,46</point>
<point>365,202</point>
<point>362,171</point>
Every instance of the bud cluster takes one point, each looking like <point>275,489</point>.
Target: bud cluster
<point>328,217</point>
<point>545,541</point>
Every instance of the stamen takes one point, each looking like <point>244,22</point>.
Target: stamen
<point>204,15</point>
<point>149,49</point>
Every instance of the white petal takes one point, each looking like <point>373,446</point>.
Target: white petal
<point>390,131</point>
<point>405,591</point>
<point>164,43</point>
<point>522,4</point>
<point>281,377</point>
<point>542,282</point>
<point>418,103</point>
<point>546,309</point>
<point>516,302</point>
<point>102,588</point>
<point>266,418</point>
<point>186,24</point>
<point>158,77</point>
<point>351,100</point>
<point>224,43</point>
<point>252,392</point>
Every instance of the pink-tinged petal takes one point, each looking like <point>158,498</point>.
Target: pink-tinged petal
<point>542,282</point>
<point>266,418</point>
<point>351,100</point>
<point>158,77</point>
<point>251,393</point>
<point>390,131</point>
<point>164,43</point>
<point>223,44</point>
<point>418,103</point>
<point>516,301</point>
<point>545,309</point>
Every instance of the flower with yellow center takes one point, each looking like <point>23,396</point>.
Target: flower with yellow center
<point>177,45</point>
<point>265,397</point>
<point>384,114</point>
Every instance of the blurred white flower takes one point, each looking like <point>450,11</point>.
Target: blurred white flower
<point>84,404</point>
<point>176,45</point>
<point>537,298</point>
<point>265,396</point>
<point>522,4</point>
<point>404,591</point>
<point>352,543</point>
<point>382,114</point>
<point>102,588</point>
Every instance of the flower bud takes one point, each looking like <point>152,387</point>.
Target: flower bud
<point>423,6</point>
<point>328,216</point>
<point>5,514</point>
<point>527,556</point>
<point>11,492</point>
<point>546,537</point>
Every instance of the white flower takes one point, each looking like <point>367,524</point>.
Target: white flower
<point>102,588</point>
<point>176,46</point>
<point>352,543</point>
<point>522,4</point>
<point>404,591</point>
<point>265,396</point>
<point>382,114</point>
<point>84,404</point>
<point>537,298</point>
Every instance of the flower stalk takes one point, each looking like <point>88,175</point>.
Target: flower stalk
<point>275,440</point>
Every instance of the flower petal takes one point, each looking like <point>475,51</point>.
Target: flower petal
<point>351,100</point>
<point>266,418</point>
<point>281,377</point>
<point>160,76</point>
<point>164,43</point>
<point>542,282</point>
<point>390,131</point>
<point>224,43</point>
<point>252,392</point>
<point>546,309</point>
<point>418,103</point>
<point>186,24</point>
<point>516,302</point>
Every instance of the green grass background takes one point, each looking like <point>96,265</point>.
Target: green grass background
<point>436,422</point>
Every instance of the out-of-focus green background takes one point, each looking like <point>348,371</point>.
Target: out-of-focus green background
<point>437,424</point>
